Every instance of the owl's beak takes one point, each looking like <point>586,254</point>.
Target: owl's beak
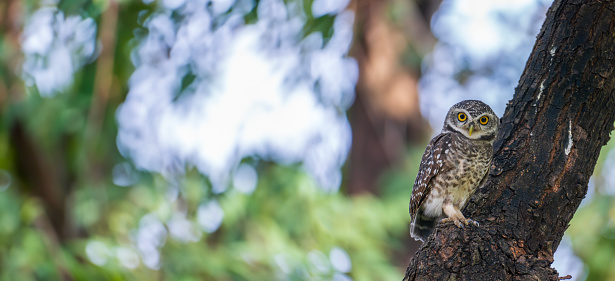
<point>471,129</point>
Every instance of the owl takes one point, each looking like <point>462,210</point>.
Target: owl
<point>455,163</point>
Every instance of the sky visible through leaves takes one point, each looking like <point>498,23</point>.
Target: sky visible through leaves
<point>220,87</point>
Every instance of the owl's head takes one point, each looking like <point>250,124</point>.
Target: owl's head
<point>473,119</point>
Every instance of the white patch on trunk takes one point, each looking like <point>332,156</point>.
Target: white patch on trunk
<point>569,146</point>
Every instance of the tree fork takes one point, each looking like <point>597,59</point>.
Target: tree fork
<point>551,134</point>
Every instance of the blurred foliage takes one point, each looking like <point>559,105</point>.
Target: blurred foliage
<point>285,230</point>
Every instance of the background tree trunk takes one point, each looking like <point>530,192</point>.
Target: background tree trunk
<point>385,115</point>
<point>551,135</point>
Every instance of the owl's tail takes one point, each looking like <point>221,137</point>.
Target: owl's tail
<point>422,226</point>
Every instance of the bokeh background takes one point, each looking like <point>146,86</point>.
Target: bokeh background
<point>243,139</point>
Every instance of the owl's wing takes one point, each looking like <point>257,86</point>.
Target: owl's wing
<point>431,164</point>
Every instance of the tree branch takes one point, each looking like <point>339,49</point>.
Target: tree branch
<point>551,135</point>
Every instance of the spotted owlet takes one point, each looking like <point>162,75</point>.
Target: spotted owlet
<point>455,163</point>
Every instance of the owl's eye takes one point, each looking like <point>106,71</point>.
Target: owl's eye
<point>462,116</point>
<point>483,120</point>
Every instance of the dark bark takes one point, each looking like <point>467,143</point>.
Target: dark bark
<point>552,131</point>
<point>41,176</point>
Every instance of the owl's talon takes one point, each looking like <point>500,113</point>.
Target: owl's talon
<point>471,221</point>
<point>455,221</point>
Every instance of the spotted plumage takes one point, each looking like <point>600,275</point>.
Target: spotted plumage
<point>455,163</point>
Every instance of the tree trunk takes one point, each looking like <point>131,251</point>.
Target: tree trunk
<point>548,144</point>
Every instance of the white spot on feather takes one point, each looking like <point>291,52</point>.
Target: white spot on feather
<point>553,51</point>
<point>542,87</point>
<point>569,146</point>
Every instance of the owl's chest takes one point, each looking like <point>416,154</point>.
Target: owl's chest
<point>468,165</point>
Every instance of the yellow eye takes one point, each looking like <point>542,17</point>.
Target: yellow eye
<point>483,120</point>
<point>462,116</point>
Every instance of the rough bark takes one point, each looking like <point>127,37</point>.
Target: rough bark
<point>552,131</point>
